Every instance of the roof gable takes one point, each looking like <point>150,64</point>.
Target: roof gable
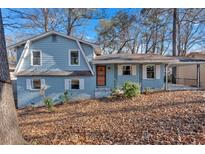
<point>46,34</point>
<point>45,44</point>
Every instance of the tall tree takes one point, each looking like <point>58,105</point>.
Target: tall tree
<point>116,34</point>
<point>70,20</point>
<point>164,31</point>
<point>37,20</point>
<point>191,32</point>
<point>155,30</point>
<point>9,130</point>
<point>174,42</point>
<point>78,17</point>
<point>174,33</point>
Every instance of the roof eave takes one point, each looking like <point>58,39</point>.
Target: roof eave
<point>133,62</point>
<point>188,63</point>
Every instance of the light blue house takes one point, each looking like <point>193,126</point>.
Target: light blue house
<point>57,63</point>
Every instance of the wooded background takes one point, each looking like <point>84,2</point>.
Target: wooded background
<point>163,31</point>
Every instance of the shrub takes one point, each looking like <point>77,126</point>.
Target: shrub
<point>131,89</point>
<point>48,101</point>
<point>64,98</point>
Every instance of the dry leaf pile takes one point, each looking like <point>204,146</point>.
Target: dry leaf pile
<point>158,118</point>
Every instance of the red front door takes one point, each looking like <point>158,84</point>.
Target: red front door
<point>101,75</point>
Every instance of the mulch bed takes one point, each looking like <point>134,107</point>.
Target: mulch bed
<point>158,118</point>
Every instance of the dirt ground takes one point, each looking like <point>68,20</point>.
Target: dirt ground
<point>158,118</point>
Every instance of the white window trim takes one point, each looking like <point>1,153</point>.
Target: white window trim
<point>130,70</point>
<point>36,50</point>
<point>32,84</point>
<point>69,57</point>
<point>154,72</point>
<point>70,86</point>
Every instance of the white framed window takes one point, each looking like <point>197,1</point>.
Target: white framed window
<point>74,84</point>
<point>151,71</point>
<point>126,70</point>
<point>36,57</point>
<point>74,57</point>
<point>35,84</point>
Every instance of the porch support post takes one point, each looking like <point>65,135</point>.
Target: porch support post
<point>198,75</point>
<point>166,77</point>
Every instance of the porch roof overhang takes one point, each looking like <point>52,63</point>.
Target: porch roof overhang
<point>188,61</point>
<point>133,58</point>
<point>145,58</point>
<point>130,61</point>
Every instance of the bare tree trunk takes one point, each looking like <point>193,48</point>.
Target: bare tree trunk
<point>69,22</point>
<point>174,35</point>
<point>162,44</point>
<point>9,129</point>
<point>174,42</point>
<point>178,34</point>
<point>45,13</point>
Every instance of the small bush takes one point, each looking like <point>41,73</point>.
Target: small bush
<point>64,98</point>
<point>131,89</point>
<point>48,101</point>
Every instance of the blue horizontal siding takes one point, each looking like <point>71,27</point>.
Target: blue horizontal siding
<point>54,55</point>
<point>153,83</point>
<point>124,78</point>
<point>56,85</point>
<point>113,80</point>
<point>55,88</point>
<point>88,50</point>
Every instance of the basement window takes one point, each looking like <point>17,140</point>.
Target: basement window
<point>36,84</point>
<point>150,71</point>
<point>75,84</point>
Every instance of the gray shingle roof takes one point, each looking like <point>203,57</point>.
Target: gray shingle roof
<point>54,73</point>
<point>97,50</point>
<point>142,58</point>
<point>137,58</point>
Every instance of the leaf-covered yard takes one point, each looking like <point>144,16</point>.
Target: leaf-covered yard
<point>159,118</point>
